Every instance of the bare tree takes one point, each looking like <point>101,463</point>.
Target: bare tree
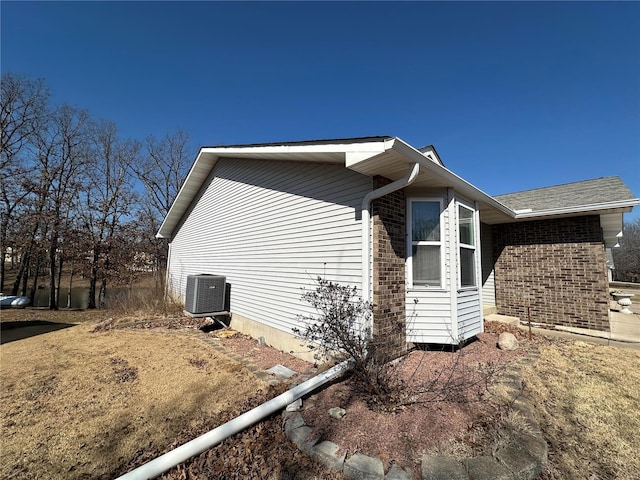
<point>23,111</point>
<point>107,201</point>
<point>162,172</point>
<point>626,258</point>
<point>67,194</point>
<point>71,140</point>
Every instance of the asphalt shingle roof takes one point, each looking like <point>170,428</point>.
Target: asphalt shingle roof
<point>576,194</point>
<point>326,141</point>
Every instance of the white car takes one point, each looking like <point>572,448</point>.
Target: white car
<point>13,301</point>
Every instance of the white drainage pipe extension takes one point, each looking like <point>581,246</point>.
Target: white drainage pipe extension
<point>408,179</point>
<point>158,466</point>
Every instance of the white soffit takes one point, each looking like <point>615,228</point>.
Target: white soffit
<point>611,228</point>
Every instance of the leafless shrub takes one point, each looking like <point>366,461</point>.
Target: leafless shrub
<point>341,326</point>
<point>341,329</point>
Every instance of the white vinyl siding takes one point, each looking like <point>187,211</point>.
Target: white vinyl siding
<point>271,228</point>
<point>469,314</point>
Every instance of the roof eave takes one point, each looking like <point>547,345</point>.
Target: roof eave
<point>199,171</point>
<point>622,205</point>
<point>411,155</point>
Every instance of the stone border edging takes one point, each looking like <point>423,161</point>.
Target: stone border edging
<point>523,457</point>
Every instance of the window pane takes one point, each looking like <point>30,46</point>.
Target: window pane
<point>467,267</point>
<point>465,220</point>
<point>425,221</point>
<point>426,265</point>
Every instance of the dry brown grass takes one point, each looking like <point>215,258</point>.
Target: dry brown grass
<point>59,316</point>
<point>588,400</point>
<point>76,404</point>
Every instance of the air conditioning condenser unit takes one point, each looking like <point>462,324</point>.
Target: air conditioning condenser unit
<point>205,294</point>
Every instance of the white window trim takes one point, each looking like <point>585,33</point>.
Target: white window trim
<point>441,243</point>
<point>460,245</point>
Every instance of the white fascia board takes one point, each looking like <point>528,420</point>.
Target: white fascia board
<point>291,149</point>
<point>596,207</point>
<point>196,176</point>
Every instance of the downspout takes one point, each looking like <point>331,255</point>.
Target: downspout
<point>166,272</point>
<point>158,466</point>
<point>366,222</point>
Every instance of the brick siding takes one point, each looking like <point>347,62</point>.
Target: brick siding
<point>557,267</point>
<point>389,246</point>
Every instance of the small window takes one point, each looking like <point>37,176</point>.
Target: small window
<point>426,246</point>
<point>467,246</point>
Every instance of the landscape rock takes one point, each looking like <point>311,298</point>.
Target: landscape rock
<point>507,341</point>
<point>534,444</point>
<point>486,468</point>
<point>362,467</point>
<point>520,462</point>
<point>398,473</point>
<point>294,406</point>
<point>327,453</point>
<point>442,468</point>
<point>301,436</point>
<point>337,413</point>
<point>281,371</point>
<point>293,422</point>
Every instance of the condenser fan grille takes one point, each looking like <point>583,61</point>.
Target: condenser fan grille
<point>205,294</point>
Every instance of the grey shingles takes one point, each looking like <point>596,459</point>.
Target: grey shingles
<point>327,141</point>
<point>576,194</point>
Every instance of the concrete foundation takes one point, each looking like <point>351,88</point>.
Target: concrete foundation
<point>283,341</point>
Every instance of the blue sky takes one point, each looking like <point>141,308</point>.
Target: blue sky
<point>513,95</point>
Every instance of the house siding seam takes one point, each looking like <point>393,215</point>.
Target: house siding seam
<point>389,252</point>
<point>556,267</point>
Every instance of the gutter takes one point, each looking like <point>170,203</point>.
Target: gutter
<point>158,466</point>
<point>596,207</point>
<point>366,223</point>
